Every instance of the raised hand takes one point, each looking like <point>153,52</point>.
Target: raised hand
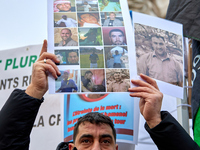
<point>150,99</point>
<point>41,68</point>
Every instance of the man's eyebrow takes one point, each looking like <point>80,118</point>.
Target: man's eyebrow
<point>106,135</point>
<point>86,135</point>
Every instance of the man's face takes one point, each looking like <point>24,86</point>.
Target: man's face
<point>72,58</point>
<point>112,16</point>
<point>65,34</point>
<point>159,46</point>
<point>65,17</point>
<point>117,38</point>
<point>65,75</point>
<point>89,76</point>
<point>64,6</point>
<point>88,18</point>
<point>117,76</point>
<point>94,137</point>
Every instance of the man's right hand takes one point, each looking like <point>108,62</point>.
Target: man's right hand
<point>40,71</point>
<point>150,99</point>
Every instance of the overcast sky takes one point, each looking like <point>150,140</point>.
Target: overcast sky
<point>23,22</point>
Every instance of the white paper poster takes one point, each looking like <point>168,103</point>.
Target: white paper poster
<point>159,52</point>
<point>94,41</point>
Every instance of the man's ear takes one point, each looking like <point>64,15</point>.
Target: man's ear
<point>71,146</point>
<point>116,146</point>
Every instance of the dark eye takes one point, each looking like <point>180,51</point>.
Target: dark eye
<point>85,141</point>
<point>105,142</point>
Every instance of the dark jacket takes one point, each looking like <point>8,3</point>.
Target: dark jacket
<point>170,135</point>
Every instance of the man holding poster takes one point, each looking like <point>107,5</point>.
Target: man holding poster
<point>18,114</point>
<point>159,64</point>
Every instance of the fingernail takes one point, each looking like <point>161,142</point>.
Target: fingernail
<point>59,75</point>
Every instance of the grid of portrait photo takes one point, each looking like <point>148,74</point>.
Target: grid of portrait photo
<point>91,43</point>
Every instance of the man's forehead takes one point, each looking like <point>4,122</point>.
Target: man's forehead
<point>116,33</point>
<point>88,127</point>
<point>73,53</point>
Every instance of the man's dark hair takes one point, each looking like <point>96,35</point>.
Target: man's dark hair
<point>70,51</point>
<point>112,13</point>
<point>116,30</point>
<point>94,118</point>
<point>87,72</point>
<point>158,36</point>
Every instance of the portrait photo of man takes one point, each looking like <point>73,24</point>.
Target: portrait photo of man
<point>63,20</point>
<point>118,80</point>
<point>72,57</point>
<point>65,37</point>
<point>109,5</point>
<point>64,6</point>
<point>114,36</point>
<point>111,19</point>
<point>91,57</point>
<point>164,62</point>
<point>87,5</point>
<point>67,82</point>
<point>88,20</point>
<point>93,80</point>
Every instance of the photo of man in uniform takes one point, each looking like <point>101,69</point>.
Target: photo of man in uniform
<point>159,64</point>
<point>118,84</point>
<point>66,36</point>
<point>112,21</point>
<point>67,84</point>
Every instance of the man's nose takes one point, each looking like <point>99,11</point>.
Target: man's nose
<point>96,146</point>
